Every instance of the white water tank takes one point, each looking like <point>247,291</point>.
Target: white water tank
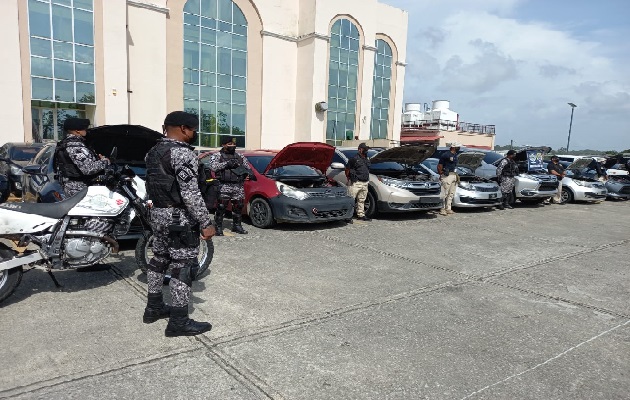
<point>440,105</point>
<point>413,107</point>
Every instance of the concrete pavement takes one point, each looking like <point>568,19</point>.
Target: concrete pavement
<point>531,303</point>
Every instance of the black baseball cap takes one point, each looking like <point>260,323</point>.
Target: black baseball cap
<point>364,146</point>
<point>511,152</point>
<point>76,124</point>
<point>555,157</point>
<point>179,118</point>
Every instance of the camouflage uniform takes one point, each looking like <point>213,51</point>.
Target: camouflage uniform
<point>84,159</point>
<point>229,192</point>
<point>194,212</point>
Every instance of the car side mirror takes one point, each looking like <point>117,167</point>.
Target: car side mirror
<point>33,169</point>
<point>337,165</point>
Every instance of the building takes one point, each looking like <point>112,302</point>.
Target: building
<point>441,125</point>
<point>269,72</point>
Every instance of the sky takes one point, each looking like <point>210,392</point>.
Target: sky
<point>517,63</point>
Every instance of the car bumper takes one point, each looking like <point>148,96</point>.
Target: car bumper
<point>474,199</point>
<point>396,203</point>
<point>589,194</point>
<point>535,194</point>
<point>620,196</point>
<point>287,209</point>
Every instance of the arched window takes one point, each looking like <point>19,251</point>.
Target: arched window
<point>342,82</point>
<point>215,68</point>
<point>381,90</point>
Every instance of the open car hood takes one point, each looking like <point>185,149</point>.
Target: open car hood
<point>314,154</point>
<point>470,159</point>
<point>610,161</point>
<point>132,141</point>
<point>579,163</point>
<point>408,154</point>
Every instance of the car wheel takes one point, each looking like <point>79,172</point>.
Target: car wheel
<point>370,205</point>
<point>261,214</point>
<point>4,196</point>
<point>567,196</point>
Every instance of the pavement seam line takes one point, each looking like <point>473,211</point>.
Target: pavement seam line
<point>557,356</point>
<point>63,379</point>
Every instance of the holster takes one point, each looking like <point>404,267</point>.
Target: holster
<point>183,236</point>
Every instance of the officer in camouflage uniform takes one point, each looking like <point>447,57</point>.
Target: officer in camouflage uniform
<point>178,217</point>
<point>76,164</point>
<point>507,170</point>
<point>227,165</point>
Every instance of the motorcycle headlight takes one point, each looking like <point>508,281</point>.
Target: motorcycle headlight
<point>465,185</point>
<point>290,191</point>
<point>15,170</point>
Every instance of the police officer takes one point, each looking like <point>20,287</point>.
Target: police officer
<point>556,169</point>
<point>178,218</point>
<point>506,172</point>
<point>447,168</point>
<point>229,167</point>
<point>76,164</point>
<point>358,176</point>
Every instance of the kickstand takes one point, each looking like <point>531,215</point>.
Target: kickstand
<point>52,276</point>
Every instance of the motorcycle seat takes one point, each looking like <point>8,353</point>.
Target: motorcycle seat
<point>50,210</point>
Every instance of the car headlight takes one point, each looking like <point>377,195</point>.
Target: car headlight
<point>392,182</point>
<point>15,170</point>
<point>531,177</point>
<point>579,183</point>
<point>290,191</point>
<point>465,185</point>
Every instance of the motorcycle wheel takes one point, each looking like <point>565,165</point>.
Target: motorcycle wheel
<point>144,253</point>
<point>9,279</point>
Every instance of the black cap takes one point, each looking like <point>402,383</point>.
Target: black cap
<point>511,152</point>
<point>76,124</point>
<point>364,146</point>
<point>178,118</point>
<point>555,157</point>
<point>227,139</point>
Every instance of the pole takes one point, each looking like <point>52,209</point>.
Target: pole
<point>570,125</point>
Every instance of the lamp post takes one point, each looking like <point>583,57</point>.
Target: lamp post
<point>570,124</point>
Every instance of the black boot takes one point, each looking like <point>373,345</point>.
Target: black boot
<point>155,309</point>
<point>237,218</point>
<point>218,219</point>
<point>180,325</point>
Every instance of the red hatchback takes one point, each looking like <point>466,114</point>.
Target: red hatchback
<point>290,186</point>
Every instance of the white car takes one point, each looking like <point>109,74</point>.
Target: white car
<point>578,187</point>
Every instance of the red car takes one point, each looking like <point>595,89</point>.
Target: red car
<point>289,186</point>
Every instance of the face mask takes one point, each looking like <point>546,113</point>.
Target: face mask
<point>194,138</point>
<point>230,149</point>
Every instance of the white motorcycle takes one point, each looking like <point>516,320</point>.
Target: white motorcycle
<point>76,232</point>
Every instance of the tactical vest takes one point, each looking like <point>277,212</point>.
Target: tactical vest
<point>63,163</point>
<point>162,186</point>
<point>228,175</point>
<point>511,169</point>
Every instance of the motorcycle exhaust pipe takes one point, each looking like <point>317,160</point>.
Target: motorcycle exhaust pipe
<point>101,236</point>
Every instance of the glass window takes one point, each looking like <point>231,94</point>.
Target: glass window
<point>62,23</point>
<point>84,54</point>
<point>85,93</point>
<point>342,81</point>
<point>63,70</point>
<point>62,50</point>
<point>84,4</point>
<point>64,91</point>
<point>40,47</point>
<point>215,68</point>
<point>84,72</point>
<point>83,27</point>
<point>39,18</point>
<point>381,90</point>
<point>41,88</point>
<point>41,67</point>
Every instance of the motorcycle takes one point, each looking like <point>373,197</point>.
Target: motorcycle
<point>79,231</point>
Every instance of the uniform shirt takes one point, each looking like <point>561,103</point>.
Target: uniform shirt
<point>555,167</point>
<point>359,168</point>
<point>85,159</point>
<point>448,161</point>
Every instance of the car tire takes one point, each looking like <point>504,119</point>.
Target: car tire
<point>370,205</point>
<point>4,196</point>
<point>260,213</point>
<point>567,196</point>
<point>9,279</point>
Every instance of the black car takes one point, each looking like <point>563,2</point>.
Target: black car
<point>19,155</point>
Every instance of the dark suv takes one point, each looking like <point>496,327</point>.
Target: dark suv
<point>19,154</point>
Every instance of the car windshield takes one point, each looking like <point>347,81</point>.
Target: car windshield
<point>492,157</point>
<point>353,152</point>
<point>431,164</point>
<point>24,153</point>
<point>259,162</point>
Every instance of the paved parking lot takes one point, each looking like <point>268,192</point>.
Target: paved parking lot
<point>531,303</point>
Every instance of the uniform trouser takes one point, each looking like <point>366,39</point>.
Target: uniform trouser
<point>166,255</point>
<point>449,185</point>
<point>557,198</point>
<point>70,188</point>
<point>237,211</point>
<point>359,191</point>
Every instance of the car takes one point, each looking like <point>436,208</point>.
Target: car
<point>290,186</point>
<point>132,142</point>
<point>618,187</point>
<point>579,186</point>
<point>617,165</point>
<point>486,169</point>
<point>472,191</point>
<point>19,155</point>
<point>533,184</point>
<point>395,184</point>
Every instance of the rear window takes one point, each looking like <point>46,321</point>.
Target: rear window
<point>259,162</point>
<point>24,153</point>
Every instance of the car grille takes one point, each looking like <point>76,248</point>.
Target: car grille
<point>328,193</point>
<point>330,214</point>
<point>548,186</point>
<point>424,191</point>
<point>420,206</point>
<point>486,189</point>
<point>625,190</point>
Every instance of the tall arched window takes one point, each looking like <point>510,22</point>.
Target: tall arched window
<point>381,90</point>
<point>215,68</point>
<point>342,82</point>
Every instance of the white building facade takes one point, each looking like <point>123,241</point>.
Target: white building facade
<point>269,72</point>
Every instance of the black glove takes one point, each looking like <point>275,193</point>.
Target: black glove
<point>231,164</point>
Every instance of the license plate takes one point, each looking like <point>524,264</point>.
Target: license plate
<point>492,196</point>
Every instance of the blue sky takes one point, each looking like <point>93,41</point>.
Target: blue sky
<point>517,63</point>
